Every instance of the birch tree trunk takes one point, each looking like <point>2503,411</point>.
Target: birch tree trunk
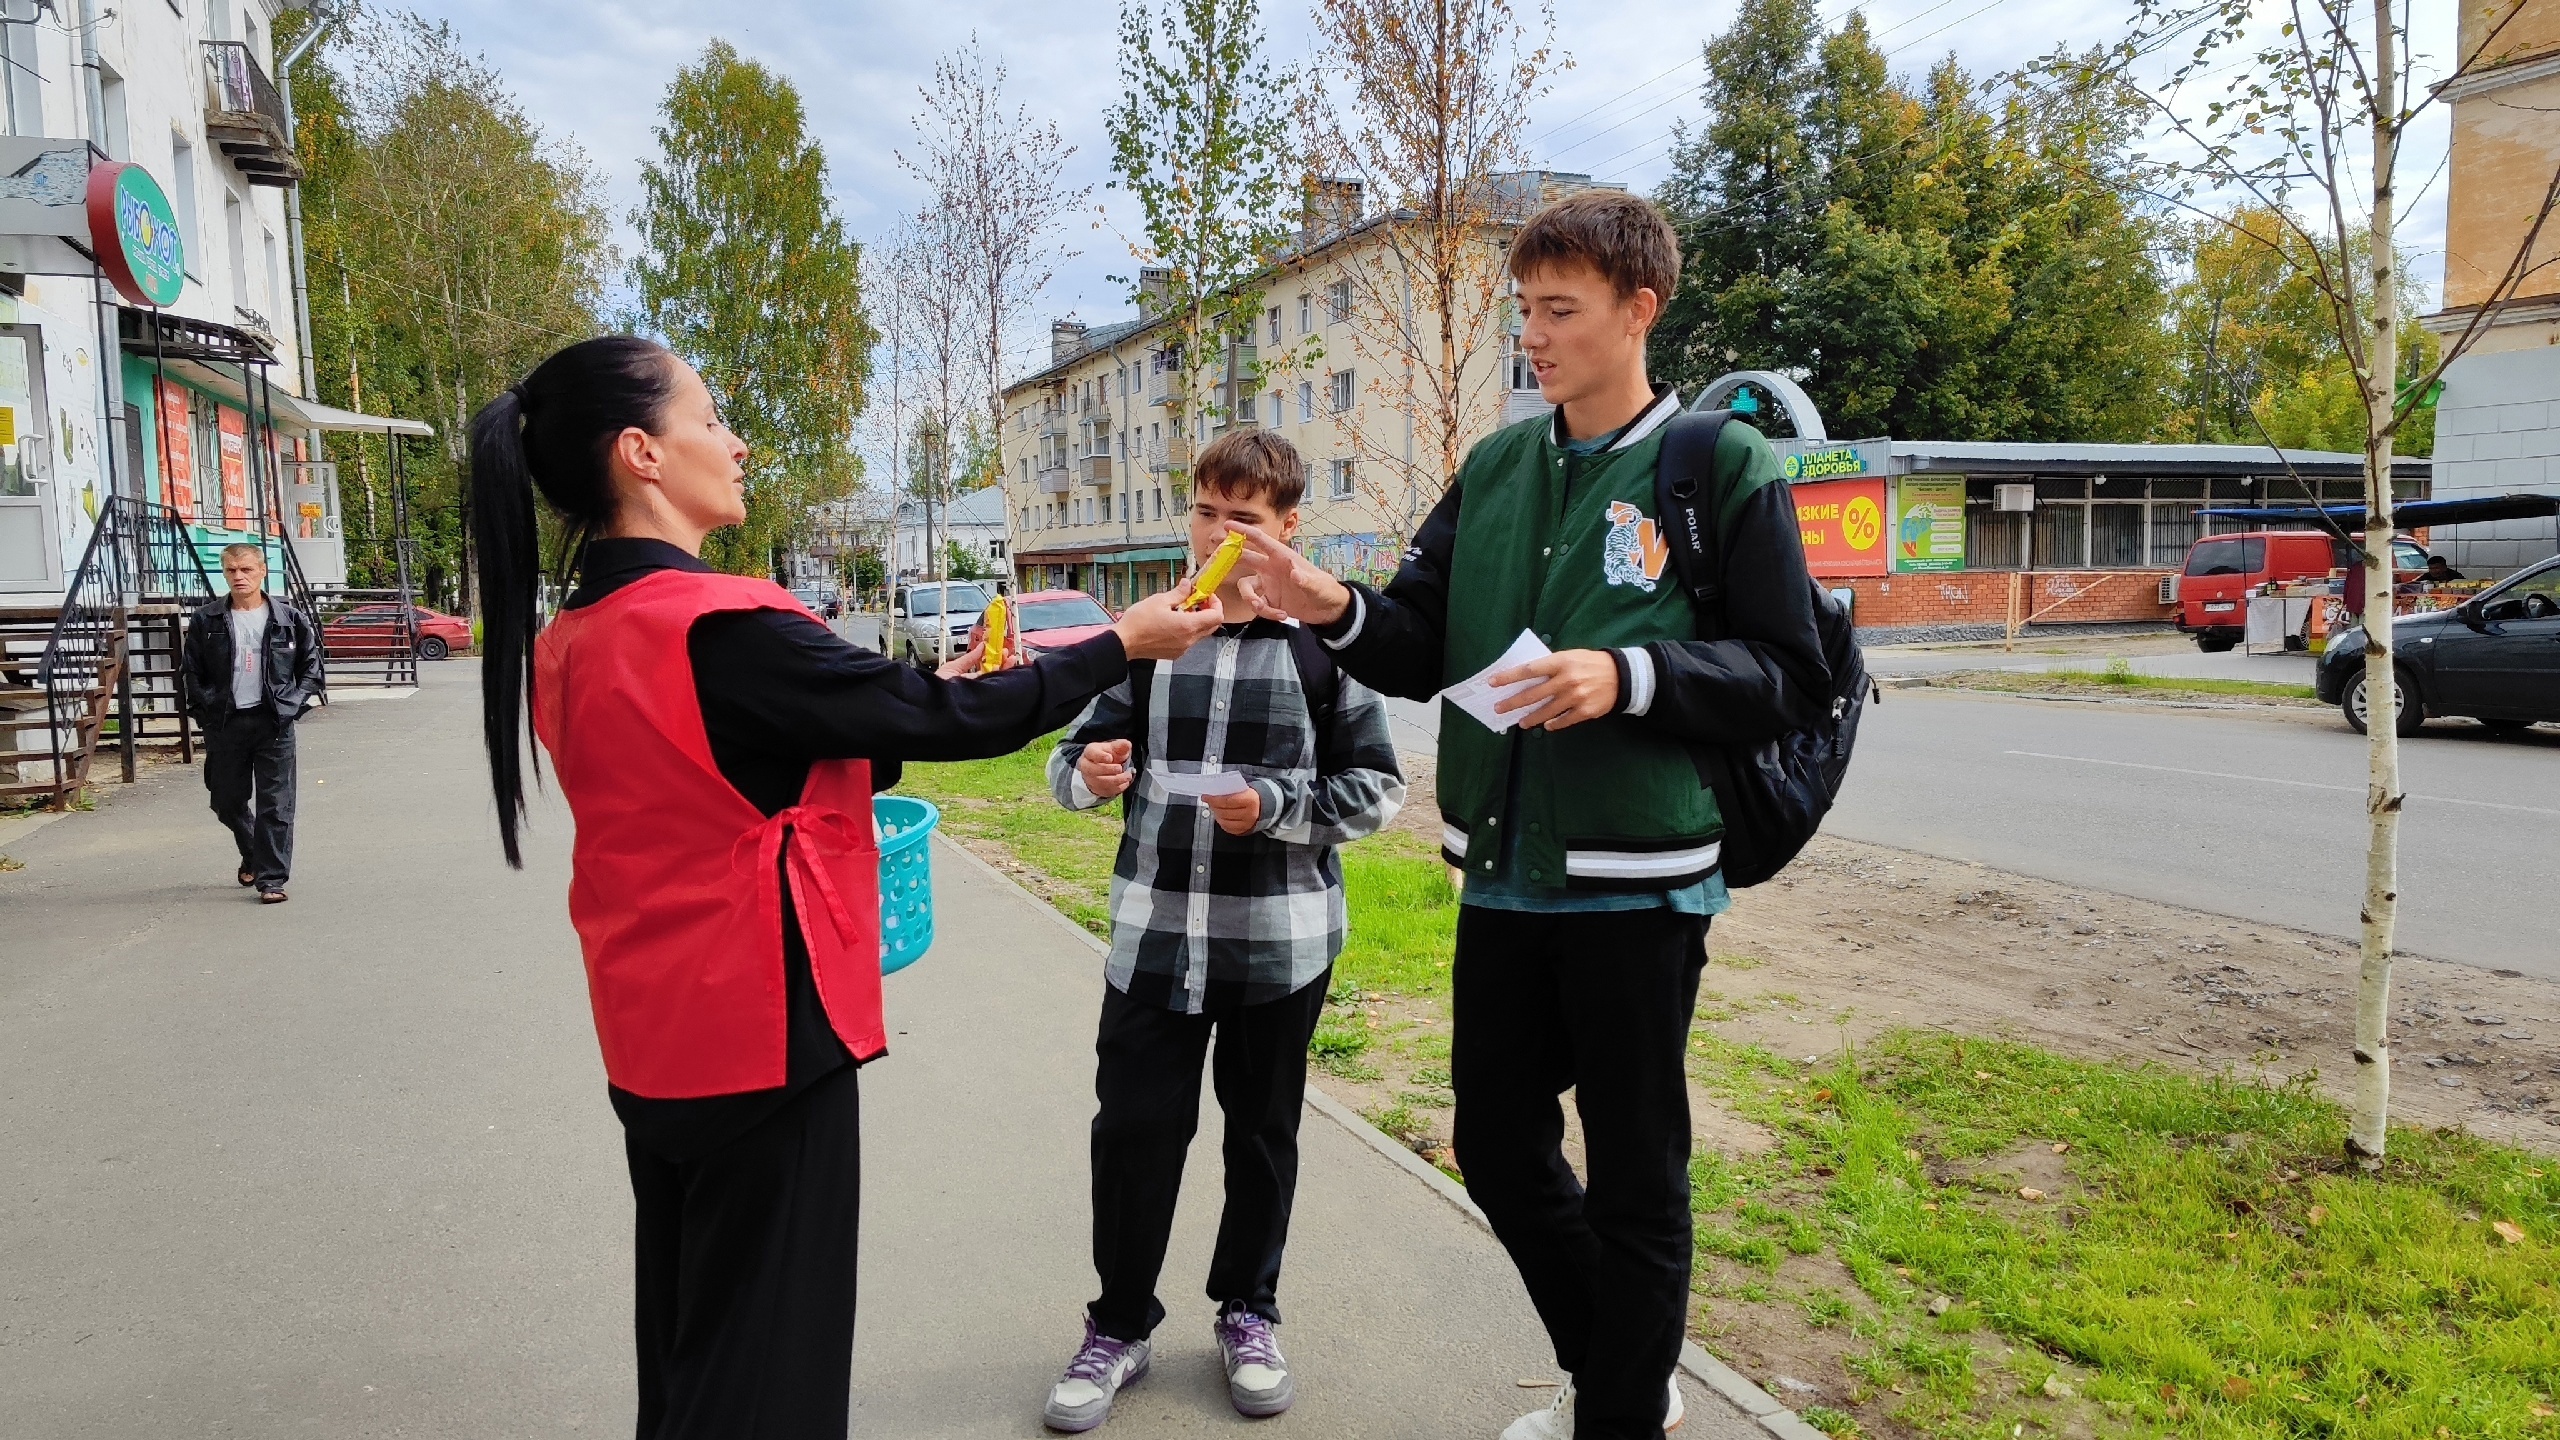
<point>2371,1121</point>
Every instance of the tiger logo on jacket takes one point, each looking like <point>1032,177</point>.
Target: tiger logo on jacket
<point>1634,552</point>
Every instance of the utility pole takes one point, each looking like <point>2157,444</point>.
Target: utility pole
<point>321,20</point>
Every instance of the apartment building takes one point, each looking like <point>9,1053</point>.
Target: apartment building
<point>2498,420</point>
<point>1098,445</point>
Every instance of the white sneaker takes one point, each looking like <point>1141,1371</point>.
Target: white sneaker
<point>1556,1421</point>
<point>1082,1397</point>
<point>1553,1423</point>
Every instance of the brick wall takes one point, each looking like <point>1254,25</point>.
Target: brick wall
<point>1981,597</point>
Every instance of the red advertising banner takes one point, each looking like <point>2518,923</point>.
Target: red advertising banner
<point>1843,526</point>
<point>177,467</point>
<point>235,467</point>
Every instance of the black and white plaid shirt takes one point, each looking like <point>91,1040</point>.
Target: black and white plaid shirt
<point>1193,907</point>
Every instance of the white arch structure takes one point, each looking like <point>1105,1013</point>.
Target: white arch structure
<point>1788,394</point>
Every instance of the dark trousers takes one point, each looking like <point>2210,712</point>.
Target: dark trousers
<point>746,1276</point>
<point>249,770</point>
<point>1599,1003</point>
<point>1148,1082</point>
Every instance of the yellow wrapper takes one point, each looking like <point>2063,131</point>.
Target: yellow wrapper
<point>1222,563</point>
<point>996,615</point>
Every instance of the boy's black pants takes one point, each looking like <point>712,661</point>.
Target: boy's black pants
<point>745,1276</point>
<point>1148,1083</point>
<point>1599,1003</point>
<point>249,775</point>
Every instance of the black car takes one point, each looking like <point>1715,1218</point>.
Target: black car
<point>2495,658</point>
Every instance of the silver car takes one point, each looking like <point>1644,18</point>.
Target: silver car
<point>922,615</point>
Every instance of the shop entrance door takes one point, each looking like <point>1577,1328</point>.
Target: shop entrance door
<point>30,543</point>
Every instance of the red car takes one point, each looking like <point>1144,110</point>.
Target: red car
<point>373,630</point>
<point>1055,619</point>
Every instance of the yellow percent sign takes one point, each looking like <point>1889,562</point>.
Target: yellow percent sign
<point>1862,524</point>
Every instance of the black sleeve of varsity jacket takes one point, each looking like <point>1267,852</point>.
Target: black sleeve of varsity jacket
<point>1767,676</point>
<point>1391,640</point>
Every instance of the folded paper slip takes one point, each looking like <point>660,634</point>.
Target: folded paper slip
<point>1216,782</point>
<point>1477,694</point>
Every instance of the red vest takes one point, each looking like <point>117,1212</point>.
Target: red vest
<point>673,884</point>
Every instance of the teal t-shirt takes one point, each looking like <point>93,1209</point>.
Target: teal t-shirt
<point>1507,891</point>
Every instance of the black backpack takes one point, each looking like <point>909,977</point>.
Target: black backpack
<point>1773,794</point>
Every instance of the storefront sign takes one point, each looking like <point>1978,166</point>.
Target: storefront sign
<point>1803,462</point>
<point>177,472</point>
<point>135,234</point>
<point>1928,524</point>
<point>1843,526</point>
<point>235,468</point>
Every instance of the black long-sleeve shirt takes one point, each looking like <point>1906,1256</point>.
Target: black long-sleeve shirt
<point>780,692</point>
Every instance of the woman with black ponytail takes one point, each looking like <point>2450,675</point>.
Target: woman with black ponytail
<point>718,748</point>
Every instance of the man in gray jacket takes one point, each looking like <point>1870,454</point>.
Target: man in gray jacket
<point>252,668</point>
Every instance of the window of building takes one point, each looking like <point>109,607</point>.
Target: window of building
<point>1524,376</point>
<point>1343,389</point>
<point>1275,324</point>
<point>1277,406</point>
<point>1306,313</point>
<point>1306,401</point>
<point>111,103</point>
<point>182,172</point>
<point>1337,300</point>
<point>1341,480</point>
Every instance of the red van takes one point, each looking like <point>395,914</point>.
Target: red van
<point>2221,570</point>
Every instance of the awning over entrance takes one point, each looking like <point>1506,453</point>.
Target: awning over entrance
<point>2410,514</point>
<point>291,412</point>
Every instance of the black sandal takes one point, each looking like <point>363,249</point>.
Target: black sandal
<point>247,879</point>
<point>271,897</point>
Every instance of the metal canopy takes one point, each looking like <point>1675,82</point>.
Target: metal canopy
<point>2412,514</point>
<point>316,416</point>
<point>180,337</point>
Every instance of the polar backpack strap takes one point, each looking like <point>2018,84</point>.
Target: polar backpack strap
<point>1685,506</point>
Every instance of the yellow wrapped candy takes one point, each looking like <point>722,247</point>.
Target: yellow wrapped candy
<point>995,616</point>
<point>1222,563</point>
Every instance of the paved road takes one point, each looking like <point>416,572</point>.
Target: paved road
<point>345,1168</point>
<point>2260,818</point>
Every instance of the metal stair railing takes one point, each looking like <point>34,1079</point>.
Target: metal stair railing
<point>84,658</point>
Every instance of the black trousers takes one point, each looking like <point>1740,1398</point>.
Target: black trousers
<point>1148,1083</point>
<point>746,1275</point>
<point>249,771</point>
<point>1599,1003</point>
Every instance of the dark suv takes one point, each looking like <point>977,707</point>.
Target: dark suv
<point>2495,658</point>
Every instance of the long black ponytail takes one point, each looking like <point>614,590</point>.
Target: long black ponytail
<point>551,431</point>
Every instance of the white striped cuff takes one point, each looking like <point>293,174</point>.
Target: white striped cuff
<point>1359,613</point>
<point>1639,696</point>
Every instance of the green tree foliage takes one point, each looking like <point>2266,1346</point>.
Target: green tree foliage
<point>2256,344</point>
<point>451,245</point>
<point>1930,263</point>
<point>962,563</point>
<point>1200,141</point>
<point>747,273</point>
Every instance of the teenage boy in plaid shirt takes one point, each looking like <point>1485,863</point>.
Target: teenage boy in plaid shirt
<point>1226,916</point>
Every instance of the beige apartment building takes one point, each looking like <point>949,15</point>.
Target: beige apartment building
<point>2498,420</point>
<point>1098,446</point>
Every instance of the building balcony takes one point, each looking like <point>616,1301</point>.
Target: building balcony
<point>1051,480</point>
<point>244,115</point>
<point>1171,453</point>
<point>1164,387</point>
<point>1096,469</point>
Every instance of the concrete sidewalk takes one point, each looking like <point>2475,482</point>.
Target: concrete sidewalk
<point>345,1168</point>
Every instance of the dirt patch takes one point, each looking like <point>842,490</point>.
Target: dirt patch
<point>2142,689</point>
<point>1855,939</point>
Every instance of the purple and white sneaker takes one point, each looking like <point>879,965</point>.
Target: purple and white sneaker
<point>1257,1378</point>
<point>1082,1397</point>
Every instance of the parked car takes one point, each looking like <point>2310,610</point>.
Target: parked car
<point>374,630</point>
<point>918,614</point>
<point>2221,570</point>
<point>2494,657</point>
<point>824,601</point>
<point>1055,619</point>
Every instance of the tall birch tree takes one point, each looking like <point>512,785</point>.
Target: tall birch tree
<point>1428,103</point>
<point>2310,129</point>
<point>1200,139</point>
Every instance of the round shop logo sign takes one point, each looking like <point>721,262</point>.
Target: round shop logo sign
<point>1862,523</point>
<point>134,232</point>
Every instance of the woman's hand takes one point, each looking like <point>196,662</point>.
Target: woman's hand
<point>973,661</point>
<point>1285,585</point>
<point>1153,629</point>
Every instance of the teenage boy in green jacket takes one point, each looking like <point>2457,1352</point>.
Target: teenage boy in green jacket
<point>1586,833</point>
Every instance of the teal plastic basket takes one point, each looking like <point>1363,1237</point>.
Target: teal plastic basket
<point>906,878</point>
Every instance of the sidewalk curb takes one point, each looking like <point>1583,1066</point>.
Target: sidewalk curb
<point>1707,1370</point>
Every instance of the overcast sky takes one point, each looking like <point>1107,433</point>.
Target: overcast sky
<point>593,70</point>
